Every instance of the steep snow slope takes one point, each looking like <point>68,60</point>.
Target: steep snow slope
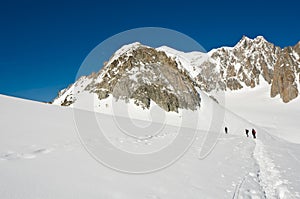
<point>41,156</point>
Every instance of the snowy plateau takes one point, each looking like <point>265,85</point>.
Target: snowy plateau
<point>44,152</point>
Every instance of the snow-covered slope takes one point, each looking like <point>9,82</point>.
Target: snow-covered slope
<point>255,105</point>
<point>41,156</point>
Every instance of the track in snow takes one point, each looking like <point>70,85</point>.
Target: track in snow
<point>269,176</point>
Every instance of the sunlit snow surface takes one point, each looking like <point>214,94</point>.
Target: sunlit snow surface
<point>41,156</point>
<point>256,105</point>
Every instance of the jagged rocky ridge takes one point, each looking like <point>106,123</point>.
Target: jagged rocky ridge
<point>170,78</point>
<point>250,59</point>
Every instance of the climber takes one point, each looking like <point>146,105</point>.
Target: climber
<point>226,130</point>
<point>254,133</point>
<point>247,132</point>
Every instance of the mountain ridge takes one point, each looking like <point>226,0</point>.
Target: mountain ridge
<point>251,58</point>
<point>246,64</point>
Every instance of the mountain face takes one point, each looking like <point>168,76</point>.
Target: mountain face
<point>251,61</point>
<point>143,74</point>
<point>170,78</point>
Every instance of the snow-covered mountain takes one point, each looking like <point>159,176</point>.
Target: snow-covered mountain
<point>142,74</point>
<point>51,151</point>
<point>251,61</point>
<point>170,78</point>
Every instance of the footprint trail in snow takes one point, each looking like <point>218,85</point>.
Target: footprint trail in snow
<point>270,178</point>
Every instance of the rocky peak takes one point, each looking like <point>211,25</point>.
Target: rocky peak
<point>145,75</point>
<point>250,59</point>
<point>244,42</point>
<point>243,64</point>
<point>297,49</point>
<point>260,40</point>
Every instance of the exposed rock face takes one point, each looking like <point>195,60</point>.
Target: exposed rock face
<point>145,74</point>
<point>243,64</point>
<point>285,81</point>
<point>209,78</point>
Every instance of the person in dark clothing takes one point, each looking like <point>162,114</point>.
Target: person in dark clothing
<point>247,132</point>
<point>226,130</point>
<point>254,133</point>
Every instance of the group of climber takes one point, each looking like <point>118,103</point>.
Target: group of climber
<point>253,133</point>
<point>247,132</point>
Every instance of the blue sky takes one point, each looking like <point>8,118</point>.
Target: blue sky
<point>43,43</point>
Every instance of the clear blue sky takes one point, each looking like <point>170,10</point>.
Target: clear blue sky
<point>43,43</point>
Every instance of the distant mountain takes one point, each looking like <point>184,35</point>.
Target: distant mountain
<point>171,78</point>
<point>251,61</point>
